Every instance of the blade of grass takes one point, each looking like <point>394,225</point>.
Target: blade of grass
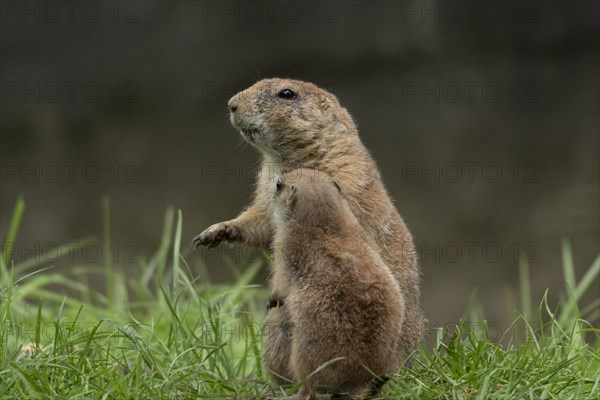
<point>525,289</point>
<point>176,247</point>
<point>575,293</point>
<point>568,265</point>
<point>106,253</point>
<point>13,231</point>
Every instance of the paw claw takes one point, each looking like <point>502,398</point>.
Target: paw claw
<point>196,241</point>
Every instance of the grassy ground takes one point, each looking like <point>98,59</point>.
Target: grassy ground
<point>160,333</point>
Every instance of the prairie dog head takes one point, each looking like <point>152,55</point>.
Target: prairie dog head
<point>283,117</point>
<point>308,196</point>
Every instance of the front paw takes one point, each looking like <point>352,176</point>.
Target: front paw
<point>215,234</point>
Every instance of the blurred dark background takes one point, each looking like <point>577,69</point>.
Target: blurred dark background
<point>483,118</point>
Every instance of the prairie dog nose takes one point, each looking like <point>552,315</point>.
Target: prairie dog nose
<point>232,104</point>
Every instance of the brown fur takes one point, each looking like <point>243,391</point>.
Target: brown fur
<point>314,131</point>
<point>342,300</point>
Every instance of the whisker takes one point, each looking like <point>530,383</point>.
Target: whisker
<point>242,144</point>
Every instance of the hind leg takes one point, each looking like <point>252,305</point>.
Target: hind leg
<point>279,344</point>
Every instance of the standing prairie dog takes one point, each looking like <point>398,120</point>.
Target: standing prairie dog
<point>343,302</point>
<point>296,124</point>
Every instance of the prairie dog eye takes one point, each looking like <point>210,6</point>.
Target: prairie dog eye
<point>286,94</point>
<point>279,185</point>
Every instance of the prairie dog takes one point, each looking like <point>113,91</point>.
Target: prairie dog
<point>342,300</point>
<point>296,124</point>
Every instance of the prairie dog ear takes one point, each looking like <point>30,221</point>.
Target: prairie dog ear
<point>325,101</point>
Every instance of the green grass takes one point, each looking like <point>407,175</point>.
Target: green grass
<point>161,332</point>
